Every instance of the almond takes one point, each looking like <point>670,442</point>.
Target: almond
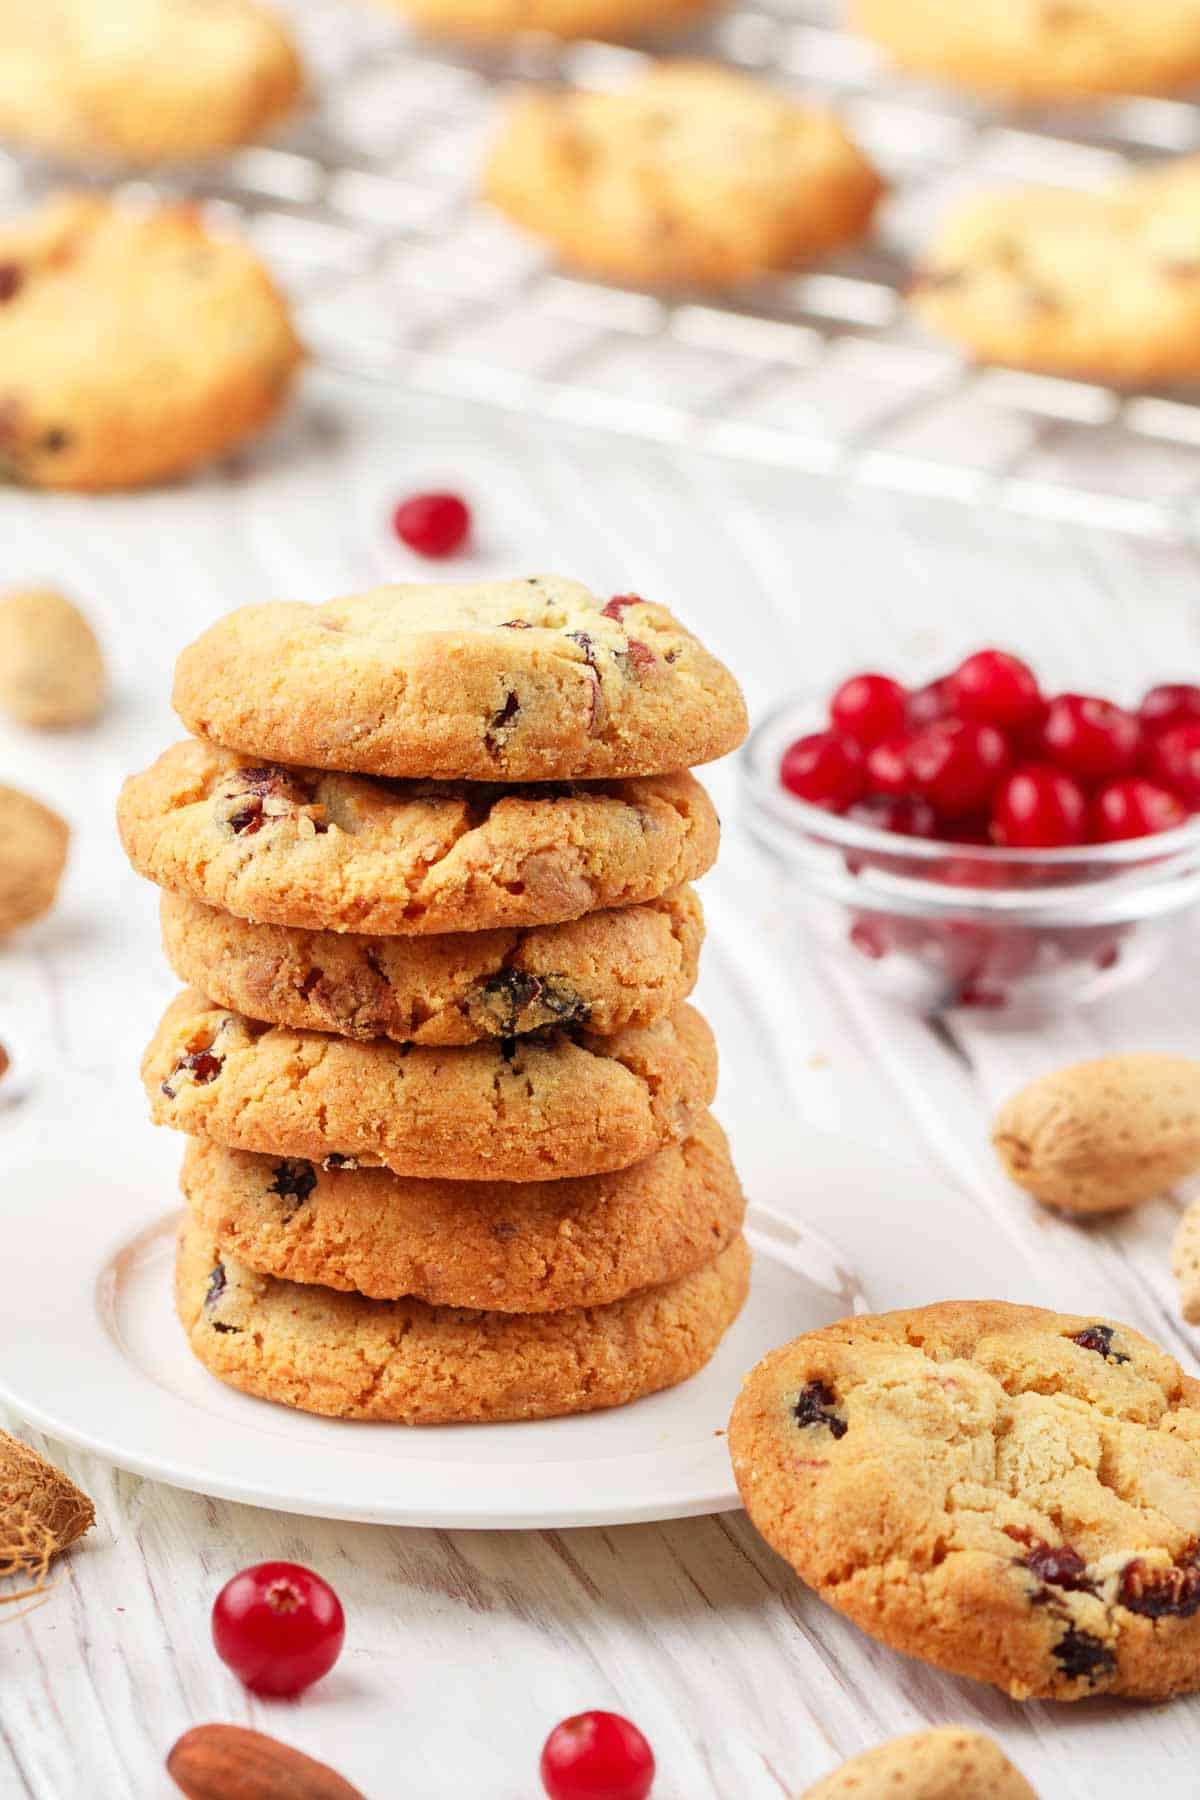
<point>51,669</point>
<point>227,1762</point>
<point>1100,1136</point>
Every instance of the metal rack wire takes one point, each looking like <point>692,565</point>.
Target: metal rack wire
<point>366,210</point>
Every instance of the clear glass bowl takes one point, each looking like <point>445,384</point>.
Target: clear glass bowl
<point>940,924</point>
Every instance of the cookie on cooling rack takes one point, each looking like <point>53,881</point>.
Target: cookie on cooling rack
<point>1103,285</point>
<point>947,1763</point>
<point>142,80</point>
<point>133,345</point>
<point>694,175</point>
<point>1039,49</point>
<point>620,21</point>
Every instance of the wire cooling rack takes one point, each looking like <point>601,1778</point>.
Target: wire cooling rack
<point>366,210</point>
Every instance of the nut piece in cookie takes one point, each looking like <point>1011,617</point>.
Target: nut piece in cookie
<point>188,348</point>
<point>694,175</point>
<point>1009,1493</point>
<point>51,668</point>
<point>33,853</point>
<point>1097,1137</point>
<point>948,1763</point>
<point>142,80</point>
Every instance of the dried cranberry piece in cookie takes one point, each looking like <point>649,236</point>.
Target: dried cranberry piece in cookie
<point>1083,1656</point>
<point>619,604</point>
<point>293,1180</point>
<point>217,1283</point>
<point>814,1405</point>
<point>12,278</point>
<point>1170,1593</point>
<point>202,1065</point>
<point>253,797</point>
<point>1100,1339</point>
<point>1061,1566</point>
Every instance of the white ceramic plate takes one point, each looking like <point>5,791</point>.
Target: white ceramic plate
<point>90,1350</point>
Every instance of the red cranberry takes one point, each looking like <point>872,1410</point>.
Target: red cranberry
<point>868,708</point>
<point>278,1626</point>
<point>1174,703</point>
<point>956,765</point>
<point>432,524</point>
<point>928,704</point>
<point>1039,808</point>
<point>1091,738</point>
<point>1134,808</point>
<point>996,689</point>
<point>887,765</point>
<point>896,812</point>
<point>824,769</point>
<point>597,1756</point>
<point>1173,762</point>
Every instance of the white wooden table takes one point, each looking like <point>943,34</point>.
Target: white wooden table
<point>464,1648</point>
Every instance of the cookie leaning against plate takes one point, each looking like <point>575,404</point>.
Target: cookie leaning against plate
<point>1009,1493</point>
<point>133,345</point>
<point>345,853</point>
<point>537,1246</point>
<point>142,79</point>
<point>533,680</point>
<point>1105,285</point>
<point>947,1763</point>
<point>617,20</point>
<point>525,1109</point>
<point>404,1361</point>
<point>1039,51</point>
<point>693,175</point>
<point>630,966</point>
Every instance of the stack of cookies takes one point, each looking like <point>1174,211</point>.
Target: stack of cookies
<point>425,868</point>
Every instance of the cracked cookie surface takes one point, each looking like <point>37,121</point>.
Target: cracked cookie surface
<point>1105,285</point>
<point>188,346</point>
<point>694,174</point>
<point>629,966</point>
<point>525,1248</point>
<point>531,680</point>
<point>1009,1493</point>
<point>523,1109</point>
<point>142,80</point>
<point>947,1763</point>
<point>347,853</point>
<point>401,1360</point>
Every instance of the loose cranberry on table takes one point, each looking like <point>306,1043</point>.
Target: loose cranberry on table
<point>597,1756</point>
<point>1039,808</point>
<point>825,769</point>
<point>995,688</point>
<point>1134,808</point>
<point>956,765</point>
<point>868,708</point>
<point>432,524</point>
<point>279,1627</point>
<point>1173,761</point>
<point>1092,739</point>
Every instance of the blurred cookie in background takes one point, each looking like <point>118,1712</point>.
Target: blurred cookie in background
<point>133,345</point>
<point>692,176</point>
<point>618,21</point>
<point>51,666</point>
<point>142,80</point>
<point>1034,50</point>
<point>33,854</point>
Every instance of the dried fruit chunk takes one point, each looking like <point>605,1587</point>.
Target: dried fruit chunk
<point>51,668</point>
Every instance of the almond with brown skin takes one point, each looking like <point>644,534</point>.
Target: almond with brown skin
<point>1100,1136</point>
<point>227,1762</point>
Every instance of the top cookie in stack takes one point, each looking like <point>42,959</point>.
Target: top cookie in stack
<point>425,868</point>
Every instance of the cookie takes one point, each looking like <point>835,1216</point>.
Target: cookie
<point>1042,49</point>
<point>536,1247</point>
<point>188,347</point>
<point>694,175</point>
<point>946,1763</point>
<point>345,853</point>
<point>142,80</point>
<point>1009,1493</point>
<point>619,21</point>
<point>523,1109</point>
<point>534,680</point>
<point>33,854</point>
<point>631,966</point>
<point>51,667</point>
<point>415,1364</point>
<point>1104,285</point>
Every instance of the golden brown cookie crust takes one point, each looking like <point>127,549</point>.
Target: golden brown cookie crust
<point>143,80</point>
<point>947,1763</point>
<point>189,347</point>
<point>620,21</point>
<point>1009,1493</point>
<point>531,680</point>
<point>401,1360</point>
<point>520,1110</point>
<point>630,966</point>
<point>344,853</point>
<point>33,854</point>
<point>528,1248</point>
<point>694,175</point>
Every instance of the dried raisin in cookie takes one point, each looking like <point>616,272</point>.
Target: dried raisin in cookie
<point>33,854</point>
<point>353,1358</point>
<point>1042,49</point>
<point>695,174</point>
<point>629,966</point>
<point>534,680</point>
<point>619,21</point>
<point>537,1246</point>
<point>344,853</point>
<point>142,80</point>
<point>188,347</point>
<point>947,1763</point>
<point>524,1109</point>
<point>1100,285</point>
<point>1009,1493</point>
